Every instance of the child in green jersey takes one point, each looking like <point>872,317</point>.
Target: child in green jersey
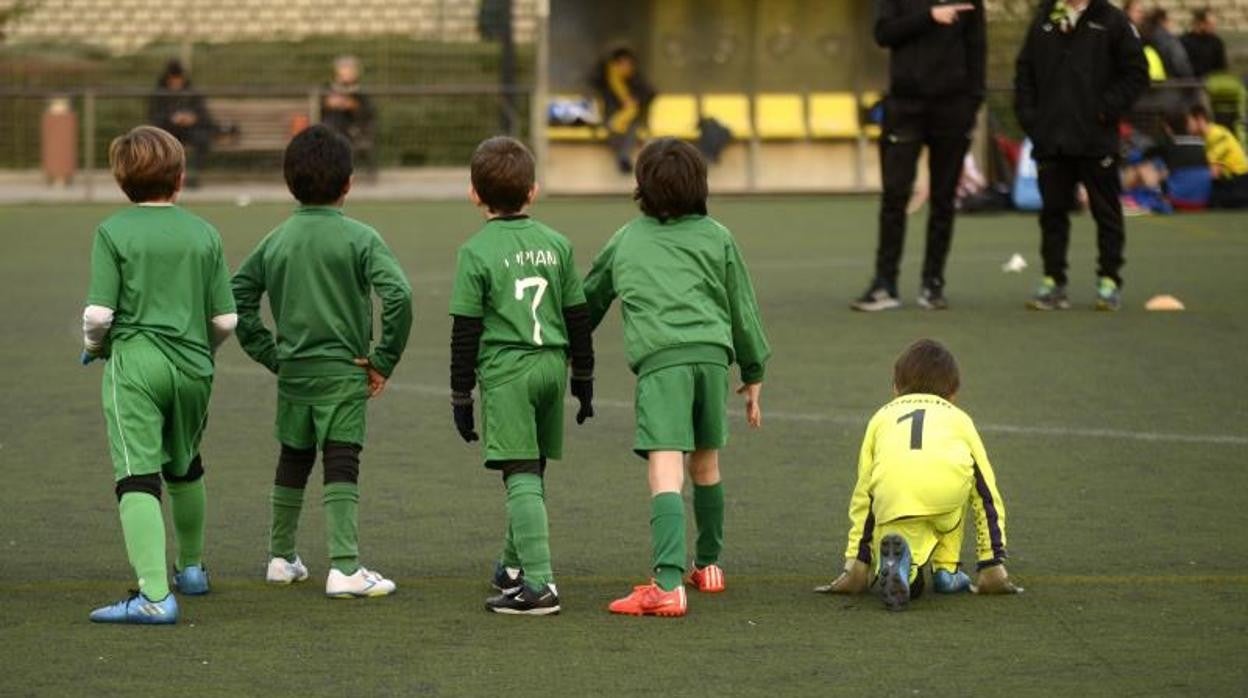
<point>320,268</point>
<point>689,312</point>
<point>519,317</point>
<point>159,304</point>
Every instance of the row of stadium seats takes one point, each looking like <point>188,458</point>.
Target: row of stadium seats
<point>775,117</point>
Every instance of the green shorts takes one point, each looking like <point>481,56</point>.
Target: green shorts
<point>301,425</point>
<point>522,419</point>
<point>682,408</point>
<point>154,412</point>
<point>304,421</point>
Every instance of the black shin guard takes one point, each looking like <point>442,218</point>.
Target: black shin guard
<point>147,484</point>
<point>194,471</point>
<point>516,467</point>
<point>294,465</point>
<point>341,462</point>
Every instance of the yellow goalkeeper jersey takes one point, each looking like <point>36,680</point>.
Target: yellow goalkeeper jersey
<point>1224,150</point>
<point>922,456</point>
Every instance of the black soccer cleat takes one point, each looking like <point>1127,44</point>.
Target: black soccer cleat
<point>526,602</point>
<point>1049,296</point>
<point>504,583</point>
<point>932,298</point>
<point>880,296</point>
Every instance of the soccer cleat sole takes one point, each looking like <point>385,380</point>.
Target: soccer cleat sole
<point>659,613</point>
<point>353,595</point>
<point>1107,307</point>
<point>553,610</point>
<point>1044,307</point>
<point>894,582</point>
<point>875,306</point>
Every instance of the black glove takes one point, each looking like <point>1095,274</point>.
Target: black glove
<point>461,407</point>
<point>583,390</point>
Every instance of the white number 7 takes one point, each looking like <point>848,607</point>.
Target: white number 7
<point>540,284</point>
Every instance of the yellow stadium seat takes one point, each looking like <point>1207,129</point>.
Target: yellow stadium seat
<point>833,115</point>
<point>730,110</point>
<point>674,115</point>
<point>780,116</point>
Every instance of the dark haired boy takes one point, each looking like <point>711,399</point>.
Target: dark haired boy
<point>689,312</point>
<point>1227,162</point>
<point>319,268</point>
<point>519,316</point>
<point>921,461</point>
<point>158,306</point>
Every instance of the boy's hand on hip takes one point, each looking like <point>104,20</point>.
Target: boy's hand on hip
<point>948,14</point>
<point>583,390</point>
<point>994,580</point>
<point>753,410</point>
<point>461,410</point>
<point>376,381</point>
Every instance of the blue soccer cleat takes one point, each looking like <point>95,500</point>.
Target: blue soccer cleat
<point>894,578</point>
<point>192,581</point>
<point>87,358</point>
<point>945,582</point>
<point>138,610</point>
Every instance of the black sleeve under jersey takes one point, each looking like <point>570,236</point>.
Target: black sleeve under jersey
<point>580,341</point>
<point>465,346</point>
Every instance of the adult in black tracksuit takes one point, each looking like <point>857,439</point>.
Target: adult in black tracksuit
<point>1080,69</point>
<point>936,84</point>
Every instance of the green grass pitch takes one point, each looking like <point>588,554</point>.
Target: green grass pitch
<point>1119,442</point>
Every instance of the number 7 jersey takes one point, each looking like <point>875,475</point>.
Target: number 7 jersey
<point>518,276</point>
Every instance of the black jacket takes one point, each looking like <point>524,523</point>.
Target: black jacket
<point>930,60</point>
<point>1070,89</point>
<point>162,106</point>
<point>1206,52</point>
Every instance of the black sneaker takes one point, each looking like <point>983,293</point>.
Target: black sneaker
<point>526,602</point>
<point>504,583</point>
<point>932,297</point>
<point>881,296</point>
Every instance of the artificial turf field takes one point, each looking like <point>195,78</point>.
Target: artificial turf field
<point>1119,443</point>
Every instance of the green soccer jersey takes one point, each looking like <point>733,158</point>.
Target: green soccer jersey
<point>683,288</point>
<point>518,276</point>
<point>320,268</point>
<point>162,271</point>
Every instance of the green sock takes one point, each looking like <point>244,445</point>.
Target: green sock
<point>144,531</point>
<point>187,501</point>
<point>287,504</point>
<point>342,502</point>
<point>510,557</point>
<point>530,532</point>
<point>708,511</point>
<point>667,539</point>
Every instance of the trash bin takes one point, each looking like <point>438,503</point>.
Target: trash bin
<point>59,142</point>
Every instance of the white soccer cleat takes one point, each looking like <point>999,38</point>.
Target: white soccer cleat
<point>283,571</point>
<point>364,583</point>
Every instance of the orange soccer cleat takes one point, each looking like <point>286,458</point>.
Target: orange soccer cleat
<point>708,580</point>
<point>650,600</point>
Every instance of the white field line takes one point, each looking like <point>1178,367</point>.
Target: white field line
<point>861,421</point>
